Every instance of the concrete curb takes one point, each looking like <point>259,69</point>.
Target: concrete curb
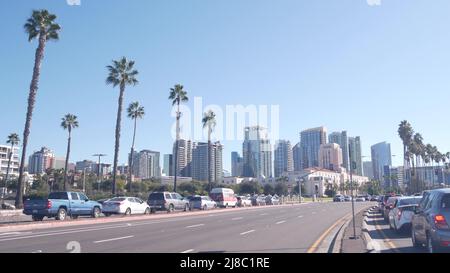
<point>10,213</point>
<point>365,232</point>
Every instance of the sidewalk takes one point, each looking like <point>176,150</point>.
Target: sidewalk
<point>359,245</point>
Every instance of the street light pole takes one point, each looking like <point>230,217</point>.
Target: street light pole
<point>99,179</point>
<point>351,191</point>
<point>84,180</point>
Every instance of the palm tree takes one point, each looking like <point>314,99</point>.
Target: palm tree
<point>209,121</point>
<point>121,73</point>
<point>40,25</point>
<point>177,95</point>
<point>68,122</point>
<point>417,147</point>
<point>13,139</point>
<point>134,111</point>
<point>405,131</point>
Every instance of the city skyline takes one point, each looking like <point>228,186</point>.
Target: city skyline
<point>297,73</point>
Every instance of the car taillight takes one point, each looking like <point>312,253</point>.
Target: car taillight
<point>399,214</point>
<point>49,204</point>
<point>440,222</point>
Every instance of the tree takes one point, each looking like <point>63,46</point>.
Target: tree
<point>68,122</point>
<point>405,132</point>
<point>177,95</point>
<point>13,139</point>
<point>135,111</point>
<point>250,187</point>
<point>40,25</point>
<point>209,121</point>
<point>281,189</point>
<point>268,189</point>
<point>122,74</point>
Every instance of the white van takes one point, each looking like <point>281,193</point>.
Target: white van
<point>224,197</point>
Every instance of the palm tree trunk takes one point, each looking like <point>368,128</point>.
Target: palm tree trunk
<point>117,144</point>
<point>176,148</point>
<point>209,157</point>
<point>67,160</point>
<point>31,101</point>
<point>130,165</point>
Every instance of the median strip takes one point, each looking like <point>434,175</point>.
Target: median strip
<point>113,239</point>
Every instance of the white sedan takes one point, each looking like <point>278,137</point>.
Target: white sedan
<point>126,206</point>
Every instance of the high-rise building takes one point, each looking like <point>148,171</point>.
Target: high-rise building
<point>368,169</point>
<point>237,164</point>
<point>200,162</point>
<point>311,140</point>
<point>381,157</point>
<point>283,158</point>
<point>5,151</point>
<point>184,155</point>
<point>168,165</point>
<point>40,161</point>
<point>330,156</point>
<point>59,163</point>
<point>85,165</point>
<point>257,153</point>
<point>355,150</point>
<point>297,157</point>
<point>341,139</point>
<point>146,164</point>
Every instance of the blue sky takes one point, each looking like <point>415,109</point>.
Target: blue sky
<point>342,64</point>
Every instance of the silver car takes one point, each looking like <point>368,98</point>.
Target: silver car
<point>430,223</point>
<point>202,202</point>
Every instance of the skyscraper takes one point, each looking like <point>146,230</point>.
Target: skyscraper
<point>200,162</point>
<point>257,153</point>
<point>237,164</point>
<point>311,140</point>
<point>341,139</point>
<point>355,149</point>
<point>168,165</point>
<point>368,169</point>
<point>5,151</point>
<point>297,157</point>
<point>381,157</point>
<point>183,168</point>
<point>283,157</point>
<point>146,164</point>
<point>330,156</point>
<point>40,161</point>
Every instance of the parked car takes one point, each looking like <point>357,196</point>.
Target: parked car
<point>272,200</point>
<point>374,198</point>
<point>224,197</point>
<point>388,206</point>
<point>401,214</point>
<point>62,204</point>
<point>202,202</point>
<point>382,202</point>
<point>347,198</point>
<point>258,200</point>
<point>338,198</point>
<point>126,206</point>
<point>430,223</point>
<point>244,201</point>
<point>101,201</point>
<point>167,201</point>
<point>360,199</point>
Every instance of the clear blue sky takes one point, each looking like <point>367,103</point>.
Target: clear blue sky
<point>342,64</point>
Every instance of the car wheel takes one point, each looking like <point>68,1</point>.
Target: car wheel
<point>61,214</point>
<point>414,239</point>
<point>205,207</point>
<point>37,218</point>
<point>147,211</point>
<point>74,217</point>
<point>152,210</point>
<point>128,211</point>
<point>186,207</point>
<point>96,212</point>
<point>107,214</point>
<point>171,208</point>
<point>431,247</point>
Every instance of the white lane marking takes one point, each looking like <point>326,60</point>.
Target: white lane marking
<point>262,214</point>
<point>300,216</point>
<point>237,218</point>
<point>247,232</point>
<point>128,224</point>
<point>14,233</point>
<point>188,251</point>
<point>113,239</point>
<point>193,226</point>
<point>281,222</point>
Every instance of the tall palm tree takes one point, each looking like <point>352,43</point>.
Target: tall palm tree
<point>209,121</point>
<point>40,25</point>
<point>418,148</point>
<point>122,74</point>
<point>406,132</point>
<point>177,95</point>
<point>68,122</point>
<point>135,111</point>
<point>13,139</point>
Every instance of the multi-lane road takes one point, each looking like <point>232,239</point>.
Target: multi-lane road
<point>294,228</point>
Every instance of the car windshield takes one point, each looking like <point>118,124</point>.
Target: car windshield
<point>116,199</point>
<point>156,196</point>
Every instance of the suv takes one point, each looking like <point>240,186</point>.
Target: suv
<point>430,223</point>
<point>167,201</point>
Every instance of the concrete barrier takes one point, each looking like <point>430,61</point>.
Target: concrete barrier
<point>11,213</point>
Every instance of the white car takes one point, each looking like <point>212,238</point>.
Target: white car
<point>125,205</point>
<point>244,201</point>
<point>400,216</point>
<point>202,202</point>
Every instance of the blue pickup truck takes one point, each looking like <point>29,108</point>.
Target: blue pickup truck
<point>59,205</point>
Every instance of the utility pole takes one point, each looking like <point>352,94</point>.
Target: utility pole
<point>99,178</point>
<point>352,165</point>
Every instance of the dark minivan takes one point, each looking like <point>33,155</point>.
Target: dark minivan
<point>167,201</point>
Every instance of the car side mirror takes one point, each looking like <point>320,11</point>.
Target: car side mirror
<point>86,200</point>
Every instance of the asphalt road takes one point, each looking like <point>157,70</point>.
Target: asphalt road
<point>270,229</point>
